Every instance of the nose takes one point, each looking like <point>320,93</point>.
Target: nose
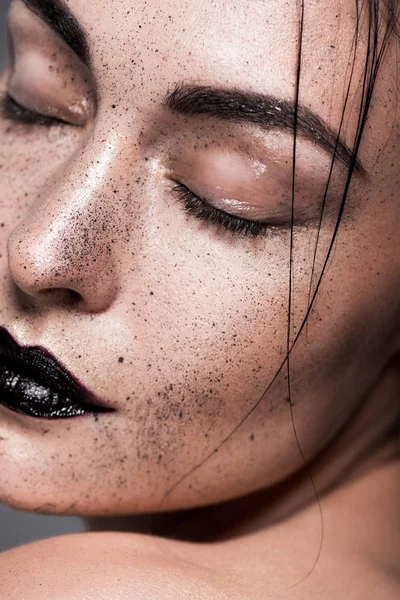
<point>61,253</point>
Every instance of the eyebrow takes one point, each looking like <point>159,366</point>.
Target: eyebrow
<point>58,16</point>
<point>263,111</point>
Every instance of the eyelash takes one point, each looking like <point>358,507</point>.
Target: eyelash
<point>193,205</point>
<point>201,209</point>
<point>12,111</point>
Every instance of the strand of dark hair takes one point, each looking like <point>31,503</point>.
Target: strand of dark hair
<point>374,56</point>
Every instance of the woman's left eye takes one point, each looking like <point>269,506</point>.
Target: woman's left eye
<point>13,111</point>
<point>201,209</point>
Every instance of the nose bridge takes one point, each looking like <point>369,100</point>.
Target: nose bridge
<point>65,241</point>
<point>95,164</point>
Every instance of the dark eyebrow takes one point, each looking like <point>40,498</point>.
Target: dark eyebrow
<point>58,16</point>
<point>264,111</point>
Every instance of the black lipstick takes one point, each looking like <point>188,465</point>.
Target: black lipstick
<point>34,383</point>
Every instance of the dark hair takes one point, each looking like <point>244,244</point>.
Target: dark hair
<point>382,20</point>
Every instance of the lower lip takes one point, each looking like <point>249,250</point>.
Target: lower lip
<point>24,395</point>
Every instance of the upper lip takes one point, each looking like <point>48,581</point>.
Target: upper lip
<point>46,369</point>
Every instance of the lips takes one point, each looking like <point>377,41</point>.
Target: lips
<point>34,383</point>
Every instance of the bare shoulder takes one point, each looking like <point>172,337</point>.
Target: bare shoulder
<point>106,566</point>
<point>119,566</point>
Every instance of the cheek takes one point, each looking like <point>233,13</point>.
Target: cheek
<point>210,312</point>
<point>197,336</point>
<point>29,156</point>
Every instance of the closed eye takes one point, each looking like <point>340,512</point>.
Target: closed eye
<point>203,210</point>
<point>11,110</point>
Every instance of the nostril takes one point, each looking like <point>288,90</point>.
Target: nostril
<point>65,296</point>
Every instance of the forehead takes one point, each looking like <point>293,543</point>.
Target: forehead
<point>142,47</point>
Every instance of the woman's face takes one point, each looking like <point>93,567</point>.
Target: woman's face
<point>178,323</point>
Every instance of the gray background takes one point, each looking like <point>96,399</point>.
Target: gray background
<point>3,42</point>
<point>17,527</point>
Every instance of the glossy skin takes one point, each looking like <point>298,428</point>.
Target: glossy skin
<point>181,326</point>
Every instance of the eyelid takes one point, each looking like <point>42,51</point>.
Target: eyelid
<point>47,79</point>
<point>201,209</point>
<point>262,178</point>
<point>238,208</point>
<point>13,111</point>
<point>45,102</point>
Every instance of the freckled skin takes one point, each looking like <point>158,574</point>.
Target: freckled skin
<point>179,325</point>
